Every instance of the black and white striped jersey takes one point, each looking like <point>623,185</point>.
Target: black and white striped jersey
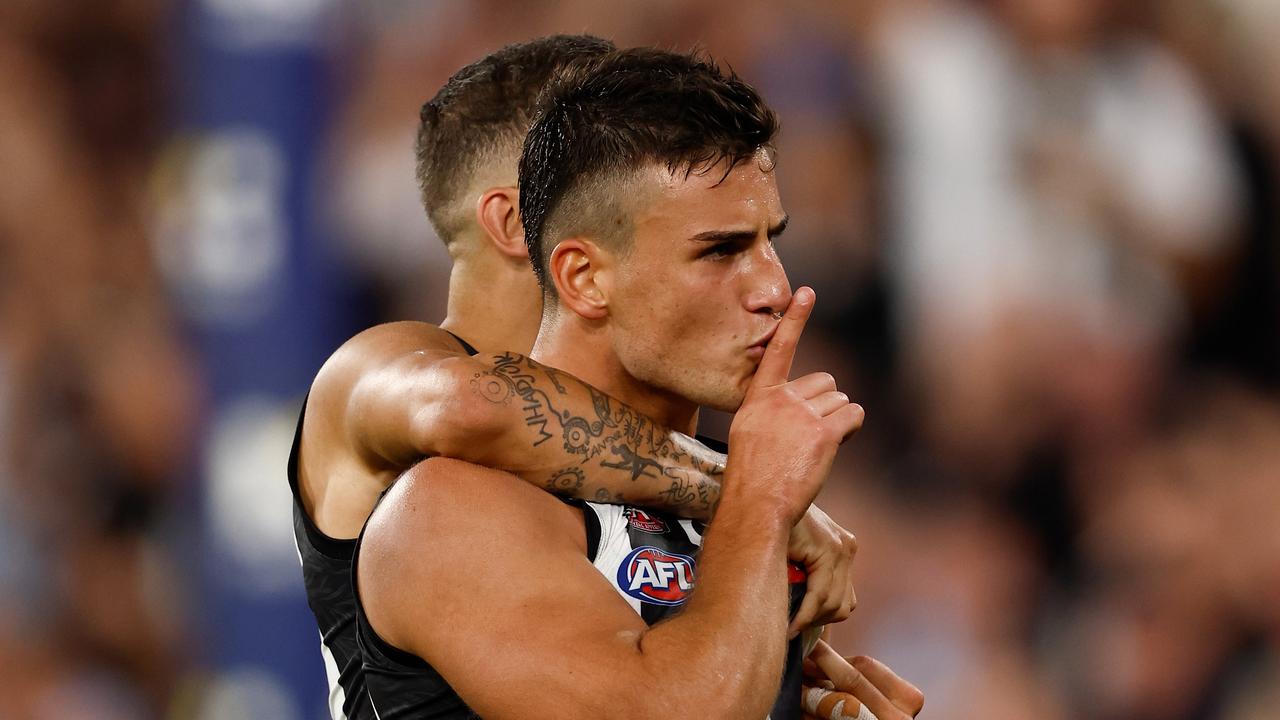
<point>651,560</point>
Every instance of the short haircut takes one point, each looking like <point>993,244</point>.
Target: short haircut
<point>481,115</point>
<point>602,121</point>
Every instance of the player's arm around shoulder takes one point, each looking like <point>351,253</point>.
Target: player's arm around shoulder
<point>509,610</point>
<point>405,391</point>
<point>377,388</point>
<point>353,442</point>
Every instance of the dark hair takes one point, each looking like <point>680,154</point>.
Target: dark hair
<point>484,109</point>
<point>607,118</point>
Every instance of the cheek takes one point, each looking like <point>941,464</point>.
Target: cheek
<point>711,316</point>
<point>700,337</point>
<point>687,312</point>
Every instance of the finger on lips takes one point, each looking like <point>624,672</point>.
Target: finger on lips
<point>775,366</point>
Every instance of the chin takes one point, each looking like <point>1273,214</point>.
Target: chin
<point>728,401</point>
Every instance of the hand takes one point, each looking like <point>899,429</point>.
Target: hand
<point>858,681</point>
<point>784,437</point>
<point>826,550</point>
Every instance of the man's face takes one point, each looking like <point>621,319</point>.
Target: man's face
<point>694,298</point>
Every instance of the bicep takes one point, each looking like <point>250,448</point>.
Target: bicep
<point>545,641</point>
<point>395,381</point>
<point>505,605</point>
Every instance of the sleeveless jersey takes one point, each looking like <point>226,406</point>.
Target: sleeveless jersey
<point>326,575</point>
<point>649,558</point>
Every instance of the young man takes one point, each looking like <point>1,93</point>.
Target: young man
<point>649,208</point>
<point>403,391</point>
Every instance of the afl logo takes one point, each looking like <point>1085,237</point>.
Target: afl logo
<point>656,576</point>
<point>644,522</point>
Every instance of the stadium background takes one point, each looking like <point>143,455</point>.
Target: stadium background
<point>1043,235</point>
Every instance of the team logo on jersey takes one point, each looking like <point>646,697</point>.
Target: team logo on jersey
<point>644,522</point>
<point>651,575</point>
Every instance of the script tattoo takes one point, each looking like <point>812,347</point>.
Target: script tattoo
<point>690,491</point>
<point>603,435</point>
<point>508,379</point>
<point>681,493</point>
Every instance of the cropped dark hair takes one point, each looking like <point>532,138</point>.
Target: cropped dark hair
<point>603,120</point>
<point>482,112</point>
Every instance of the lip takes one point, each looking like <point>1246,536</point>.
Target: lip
<point>759,345</point>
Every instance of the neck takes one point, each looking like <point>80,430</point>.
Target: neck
<point>493,304</point>
<point>583,349</point>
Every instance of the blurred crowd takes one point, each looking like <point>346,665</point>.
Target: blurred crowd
<point>98,393</point>
<point>1045,243</point>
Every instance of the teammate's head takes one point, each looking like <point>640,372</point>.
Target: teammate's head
<point>649,206</point>
<point>470,133</point>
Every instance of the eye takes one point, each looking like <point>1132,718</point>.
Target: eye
<point>720,250</point>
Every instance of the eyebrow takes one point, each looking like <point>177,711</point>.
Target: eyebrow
<point>720,236</point>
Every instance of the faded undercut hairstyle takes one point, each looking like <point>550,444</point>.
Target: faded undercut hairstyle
<point>480,116</point>
<point>602,121</point>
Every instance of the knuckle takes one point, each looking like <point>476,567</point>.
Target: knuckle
<point>815,429</point>
<point>831,433</point>
<point>849,680</point>
<point>849,543</point>
<point>914,700</point>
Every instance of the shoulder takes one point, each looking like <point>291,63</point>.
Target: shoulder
<point>383,344</point>
<point>370,364</point>
<point>439,496</point>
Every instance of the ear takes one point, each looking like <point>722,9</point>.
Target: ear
<point>580,270</point>
<point>498,212</point>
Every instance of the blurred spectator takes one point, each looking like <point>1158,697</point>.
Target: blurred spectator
<point>99,393</point>
<point>1052,176</point>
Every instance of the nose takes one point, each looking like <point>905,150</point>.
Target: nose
<point>767,289</point>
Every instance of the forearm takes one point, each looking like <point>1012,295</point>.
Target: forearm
<point>728,647</point>
<point>721,657</point>
<point>559,433</point>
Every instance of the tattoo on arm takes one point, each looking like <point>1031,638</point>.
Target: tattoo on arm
<point>610,435</point>
<point>682,492</point>
<point>567,481</point>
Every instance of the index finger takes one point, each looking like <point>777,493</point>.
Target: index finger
<point>781,350</point>
<point>904,696</point>
<point>849,680</point>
